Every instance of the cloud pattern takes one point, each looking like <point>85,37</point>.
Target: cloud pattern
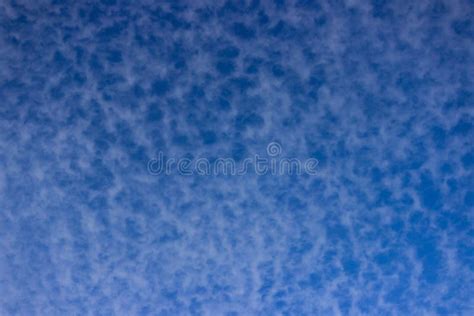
<point>380,92</point>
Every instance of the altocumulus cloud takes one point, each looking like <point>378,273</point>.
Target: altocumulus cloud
<point>379,93</point>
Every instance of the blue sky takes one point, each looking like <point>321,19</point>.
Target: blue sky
<point>379,92</point>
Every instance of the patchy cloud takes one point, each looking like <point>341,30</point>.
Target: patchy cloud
<point>379,92</point>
